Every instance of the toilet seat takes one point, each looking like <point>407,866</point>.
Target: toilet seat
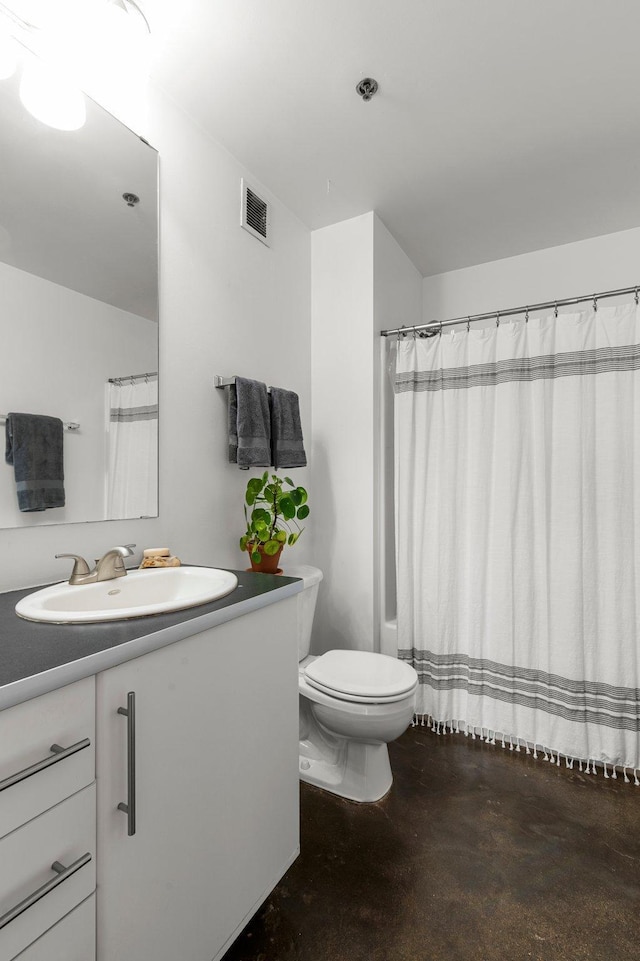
<point>361,676</point>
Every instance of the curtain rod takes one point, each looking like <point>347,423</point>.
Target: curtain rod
<point>437,325</point>
<point>132,377</point>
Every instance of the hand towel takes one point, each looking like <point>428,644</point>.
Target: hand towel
<point>232,400</point>
<point>287,444</point>
<point>253,428</point>
<point>34,446</point>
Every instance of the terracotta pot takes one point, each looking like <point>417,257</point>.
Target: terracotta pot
<point>268,562</point>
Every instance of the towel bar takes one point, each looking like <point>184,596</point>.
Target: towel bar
<point>70,425</point>
<point>220,381</point>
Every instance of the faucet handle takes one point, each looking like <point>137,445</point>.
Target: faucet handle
<point>126,550</point>
<point>80,566</point>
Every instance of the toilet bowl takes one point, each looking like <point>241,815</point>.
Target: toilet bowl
<point>352,703</point>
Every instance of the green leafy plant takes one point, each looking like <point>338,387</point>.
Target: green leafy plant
<point>272,512</point>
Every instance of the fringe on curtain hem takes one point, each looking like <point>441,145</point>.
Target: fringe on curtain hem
<point>518,744</point>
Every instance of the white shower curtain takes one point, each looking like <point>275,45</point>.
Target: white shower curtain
<point>132,480</point>
<point>518,532</point>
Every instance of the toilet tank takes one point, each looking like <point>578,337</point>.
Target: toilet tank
<point>306,603</point>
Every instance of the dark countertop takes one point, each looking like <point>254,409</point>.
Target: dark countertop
<point>38,657</point>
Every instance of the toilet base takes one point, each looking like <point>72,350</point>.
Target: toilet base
<point>355,770</point>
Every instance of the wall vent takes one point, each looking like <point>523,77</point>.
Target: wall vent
<point>254,213</point>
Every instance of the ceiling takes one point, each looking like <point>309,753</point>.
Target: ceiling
<point>500,126</point>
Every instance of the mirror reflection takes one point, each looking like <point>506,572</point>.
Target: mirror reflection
<point>78,312</point>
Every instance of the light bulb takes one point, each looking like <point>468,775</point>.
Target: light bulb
<point>52,99</point>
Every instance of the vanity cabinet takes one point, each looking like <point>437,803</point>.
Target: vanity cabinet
<point>47,820</point>
<point>216,787</point>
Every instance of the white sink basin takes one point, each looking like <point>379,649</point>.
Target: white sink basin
<point>150,591</point>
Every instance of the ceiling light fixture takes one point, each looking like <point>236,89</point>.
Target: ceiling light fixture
<point>51,98</point>
<point>35,15</point>
<point>366,88</point>
<point>101,47</point>
<point>133,11</point>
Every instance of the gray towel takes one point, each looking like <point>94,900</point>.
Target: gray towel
<point>34,448</point>
<point>250,444</point>
<point>286,430</point>
<point>232,401</point>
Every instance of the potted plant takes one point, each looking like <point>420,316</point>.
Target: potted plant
<point>272,512</point>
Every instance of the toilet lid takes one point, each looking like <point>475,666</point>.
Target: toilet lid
<point>361,674</point>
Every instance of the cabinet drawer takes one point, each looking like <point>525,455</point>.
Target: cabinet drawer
<point>66,718</point>
<point>64,834</point>
<point>72,939</point>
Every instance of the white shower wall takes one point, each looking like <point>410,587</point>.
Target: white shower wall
<point>601,263</point>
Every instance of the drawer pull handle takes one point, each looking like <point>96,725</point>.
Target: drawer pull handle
<point>59,754</point>
<point>130,807</point>
<point>62,874</point>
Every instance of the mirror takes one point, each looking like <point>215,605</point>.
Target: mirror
<point>79,306</point>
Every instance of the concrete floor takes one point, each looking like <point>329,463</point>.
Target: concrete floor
<point>476,854</point>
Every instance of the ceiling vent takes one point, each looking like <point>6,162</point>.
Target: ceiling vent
<point>254,213</point>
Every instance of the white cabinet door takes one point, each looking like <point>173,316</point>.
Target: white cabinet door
<point>216,748</point>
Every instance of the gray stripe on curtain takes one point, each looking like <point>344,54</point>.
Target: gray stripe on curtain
<point>578,701</point>
<point>128,414</point>
<point>544,367</point>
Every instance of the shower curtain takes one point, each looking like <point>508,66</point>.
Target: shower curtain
<point>132,480</point>
<point>517,491</point>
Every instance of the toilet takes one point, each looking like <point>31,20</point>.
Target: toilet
<point>352,703</point>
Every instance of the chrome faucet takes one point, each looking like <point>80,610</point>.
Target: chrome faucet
<point>110,565</point>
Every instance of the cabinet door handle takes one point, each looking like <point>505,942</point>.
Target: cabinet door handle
<point>129,807</point>
<point>62,874</point>
<point>59,754</point>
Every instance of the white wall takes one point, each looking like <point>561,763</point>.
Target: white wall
<point>228,305</point>
<point>397,302</point>
<point>63,348</point>
<point>602,263</point>
<point>361,281</point>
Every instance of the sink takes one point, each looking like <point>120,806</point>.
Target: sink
<point>149,591</point>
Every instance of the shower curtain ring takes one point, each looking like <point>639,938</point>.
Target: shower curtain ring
<point>440,331</point>
<point>636,295</point>
<point>468,324</point>
<point>555,311</point>
<point>595,303</point>
<point>526,316</point>
<point>497,319</point>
